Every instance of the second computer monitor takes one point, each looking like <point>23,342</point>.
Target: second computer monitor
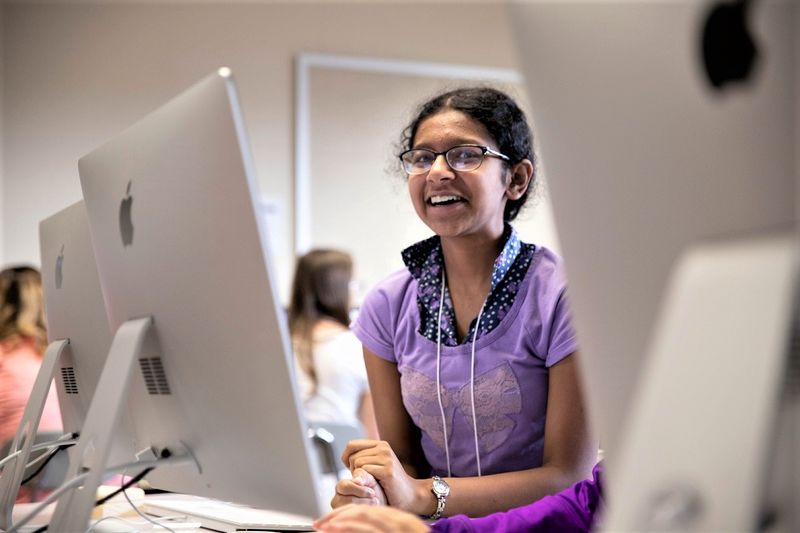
<point>74,308</point>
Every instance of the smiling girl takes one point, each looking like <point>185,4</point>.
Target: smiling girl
<point>470,351</point>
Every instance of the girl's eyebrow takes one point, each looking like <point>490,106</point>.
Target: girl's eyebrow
<point>454,142</point>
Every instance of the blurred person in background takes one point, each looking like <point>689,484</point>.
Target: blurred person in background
<point>23,339</point>
<point>330,367</point>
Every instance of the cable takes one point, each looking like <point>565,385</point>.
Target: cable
<point>41,457</point>
<point>8,457</point>
<point>109,496</point>
<point>53,496</point>
<point>47,459</point>
<point>77,480</point>
<point>127,484</point>
<point>41,446</point>
<point>154,522</point>
<point>66,438</point>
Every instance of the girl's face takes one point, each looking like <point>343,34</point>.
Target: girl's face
<point>459,204</point>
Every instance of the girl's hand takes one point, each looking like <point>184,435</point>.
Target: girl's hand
<point>361,519</point>
<point>378,459</point>
<point>362,489</point>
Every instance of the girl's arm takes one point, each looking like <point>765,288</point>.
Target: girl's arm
<point>394,424</point>
<point>366,415</point>
<point>395,427</point>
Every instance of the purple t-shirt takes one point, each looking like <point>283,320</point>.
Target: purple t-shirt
<point>511,370</point>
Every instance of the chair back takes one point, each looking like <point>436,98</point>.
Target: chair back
<point>330,440</point>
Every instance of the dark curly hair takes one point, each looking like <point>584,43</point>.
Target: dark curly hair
<point>499,114</point>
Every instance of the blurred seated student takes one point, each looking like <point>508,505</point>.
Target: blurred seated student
<point>329,361</point>
<point>573,510</point>
<point>23,339</point>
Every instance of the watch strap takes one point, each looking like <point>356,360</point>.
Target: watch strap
<point>441,501</point>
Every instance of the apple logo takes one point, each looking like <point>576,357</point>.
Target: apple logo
<point>59,267</point>
<point>729,52</point>
<point>125,221</point>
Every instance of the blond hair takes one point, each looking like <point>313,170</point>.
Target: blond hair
<point>21,308</point>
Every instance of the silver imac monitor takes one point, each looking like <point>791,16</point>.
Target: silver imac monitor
<point>645,162</point>
<point>75,310</point>
<point>76,324</point>
<point>171,205</point>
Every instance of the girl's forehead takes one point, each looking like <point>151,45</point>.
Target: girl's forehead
<point>450,124</point>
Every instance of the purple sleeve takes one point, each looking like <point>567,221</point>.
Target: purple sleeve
<point>563,340</point>
<point>551,325</point>
<point>570,511</point>
<point>373,327</point>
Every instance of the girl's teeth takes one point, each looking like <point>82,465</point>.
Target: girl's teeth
<point>441,199</point>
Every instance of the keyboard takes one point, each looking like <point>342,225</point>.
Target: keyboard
<point>224,516</point>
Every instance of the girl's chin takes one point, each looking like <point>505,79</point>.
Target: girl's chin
<point>460,229</point>
<point>445,216</point>
<point>448,231</point>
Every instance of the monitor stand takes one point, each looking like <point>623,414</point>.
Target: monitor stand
<point>14,471</point>
<point>134,339</point>
<point>696,451</point>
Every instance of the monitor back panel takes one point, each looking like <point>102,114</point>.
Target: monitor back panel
<point>643,159</point>
<point>75,310</point>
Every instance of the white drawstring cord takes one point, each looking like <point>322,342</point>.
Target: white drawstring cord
<point>471,381</point>
<point>438,376</point>
<point>472,389</point>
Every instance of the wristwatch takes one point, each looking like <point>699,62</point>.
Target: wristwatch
<point>441,490</point>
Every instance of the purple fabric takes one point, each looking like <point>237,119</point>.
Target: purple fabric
<point>511,370</point>
<point>424,261</point>
<point>570,511</point>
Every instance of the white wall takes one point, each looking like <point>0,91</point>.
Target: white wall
<point>76,74</point>
<point>2,197</point>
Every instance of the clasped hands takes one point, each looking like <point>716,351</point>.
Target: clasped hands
<point>378,478</point>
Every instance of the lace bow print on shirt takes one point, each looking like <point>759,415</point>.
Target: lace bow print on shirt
<point>497,397</point>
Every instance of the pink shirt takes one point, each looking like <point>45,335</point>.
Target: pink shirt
<point>18,369</point>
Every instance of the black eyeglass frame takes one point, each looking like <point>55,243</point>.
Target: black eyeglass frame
<point>484,149</point>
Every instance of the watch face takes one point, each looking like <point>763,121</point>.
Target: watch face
<point>441,487</point>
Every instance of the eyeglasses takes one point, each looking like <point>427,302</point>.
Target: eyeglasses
<point>461,158</point>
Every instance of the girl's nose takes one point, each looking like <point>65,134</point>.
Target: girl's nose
<point>440,169</point>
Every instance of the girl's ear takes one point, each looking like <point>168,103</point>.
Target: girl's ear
<point>521,175</point>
